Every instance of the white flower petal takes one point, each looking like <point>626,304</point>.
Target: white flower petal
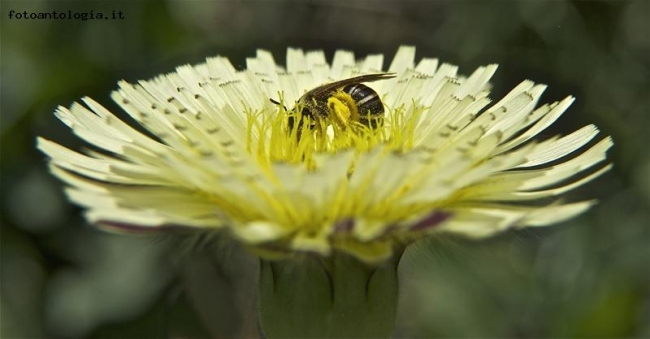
<point>317,244</point>
<point>478,81</point>
<point>343,60</point>
<point>296,60</point>
<point>512,194</point>
<point>259,231</point>
<point>567,169</point>
<point>539,125</point>
<point>427,66</point>
<point>372,63</point>
<point>221,69</point>
<point>289,87</point>
<point>404,59</point>
<point>555,214</point>
<point>319,67</point>
<point>555,149</point>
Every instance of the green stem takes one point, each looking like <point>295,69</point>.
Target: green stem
<point>335,297</point>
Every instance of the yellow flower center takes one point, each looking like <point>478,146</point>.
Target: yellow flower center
<point>271,140</point>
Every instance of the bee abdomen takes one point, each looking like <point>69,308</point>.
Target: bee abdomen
<point>369,105</point>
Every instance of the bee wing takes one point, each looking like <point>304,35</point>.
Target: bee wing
<point>327,88</point>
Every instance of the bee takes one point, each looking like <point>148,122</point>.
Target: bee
<point>343,103</point>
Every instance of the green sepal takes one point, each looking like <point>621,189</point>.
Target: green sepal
<point>334,297</point>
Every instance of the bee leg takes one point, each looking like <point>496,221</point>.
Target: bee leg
<point>339,111</point>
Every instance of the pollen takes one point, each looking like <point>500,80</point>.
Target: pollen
<point>340,112</point>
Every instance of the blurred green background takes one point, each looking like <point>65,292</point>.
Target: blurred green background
<point>586,278</point>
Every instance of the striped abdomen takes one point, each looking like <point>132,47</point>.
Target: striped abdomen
<point>369,105</point>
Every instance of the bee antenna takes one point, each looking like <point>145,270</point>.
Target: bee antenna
<point>277,103</point>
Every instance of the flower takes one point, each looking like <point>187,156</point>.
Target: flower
<point>217,156</point>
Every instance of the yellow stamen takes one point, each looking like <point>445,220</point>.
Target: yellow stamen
<point>276,142</point>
